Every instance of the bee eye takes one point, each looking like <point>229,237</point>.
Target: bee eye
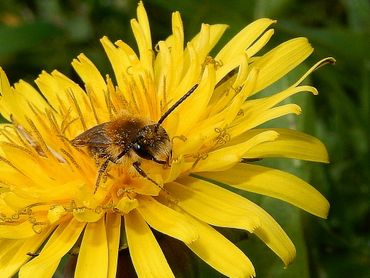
<point>141,151</point>
<point>137,147</point>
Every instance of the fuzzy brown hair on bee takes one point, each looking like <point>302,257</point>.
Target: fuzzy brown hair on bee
<point>129,137</point>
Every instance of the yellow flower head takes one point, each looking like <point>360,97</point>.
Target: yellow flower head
<point>93,167</point>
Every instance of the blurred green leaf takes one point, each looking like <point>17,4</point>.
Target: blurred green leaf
<point>349,47</point>
<point>358,14</point>
<point>18,38</point>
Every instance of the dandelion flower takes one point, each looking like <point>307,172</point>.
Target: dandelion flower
<point>49,202</point>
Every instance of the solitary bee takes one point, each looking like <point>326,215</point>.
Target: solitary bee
<point>129,137</point>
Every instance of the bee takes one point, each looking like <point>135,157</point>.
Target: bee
<point>129,137</point>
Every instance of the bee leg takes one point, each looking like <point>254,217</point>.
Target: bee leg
<point>101,171</point>
<point>143,174</point>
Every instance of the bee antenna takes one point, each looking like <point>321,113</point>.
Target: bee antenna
<point>173,107</point>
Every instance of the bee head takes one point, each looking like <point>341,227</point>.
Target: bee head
<point>153,143</point>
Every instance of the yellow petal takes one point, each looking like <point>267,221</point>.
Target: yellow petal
<point>92,78</point>
<point>141,30</point>
<point>93,255</point>
<point>243,39</point>
<point>87,215</point>
<point>15,104</point>
<point>55,213</point>
<point>226,157</point>
<point>125,205</point>
<point>146,255</point>
<point>268,102</point>
<point>175,44</point>
<point>66,97</point>
<point>144,22</point>
<point>202,44</point>
<point>121,59</point>
<point>60,242</point>
<point>273,183</point>
<point>291,144</point>
<point>207,38</point>
<point>204,200</point>
<point>199,99</point>
<point>164,70</point>
<point>260,43</point>
<point>217,251</point>
<point>23,230</point>
<point>279,61</point>
<point>166,220</point>
<point>256,118</point>
<point>113,236</point>
<point>18,101</point>
<point>176,168</point>
<point>14,252</point>
<point>226,68</point>
<point>30,96</point>
<point>214,33</point>
<point>274,237</point>
<point>5,91</point>
<point>189,78</point>
<point>213,206</point>
<point>27,164</point>
<point>245,79</point>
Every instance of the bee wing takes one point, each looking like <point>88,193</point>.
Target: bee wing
<point>93,137</point>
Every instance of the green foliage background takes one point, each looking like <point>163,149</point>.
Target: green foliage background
<point>38,35</point>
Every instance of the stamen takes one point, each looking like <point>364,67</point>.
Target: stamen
<point>6,161</point>
<point>37,227</point>
<point>18,147</point>
<point>198,157</point>
<point>98,209</point>
<point>72,160</point>
<point>67,125</point>
<point>163,99</point>
<point>240,113</point>
<point>129,70</point>
<point>5,133</point>
<point>4,184</point>
<point>2,217</point>
<point>323,62</point>
<point>33,144</point>
<point>223,137</point>
<point>77,108</point>
<point>108,102</point>
<point>210,60</point>
<point>65,117</point>
<point>156,47</point>
<point>39,115</point>
<point>23,135</point>
<point>119,98</point>
<point>134,88</point>
<point>90,95</point>
<point>62,108</point>
<point>15,217</point>
<point>53,122</point>
<point>147,103</point>
<point>183,138</point>
<point>40,140</point>
<point>28,209</point>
